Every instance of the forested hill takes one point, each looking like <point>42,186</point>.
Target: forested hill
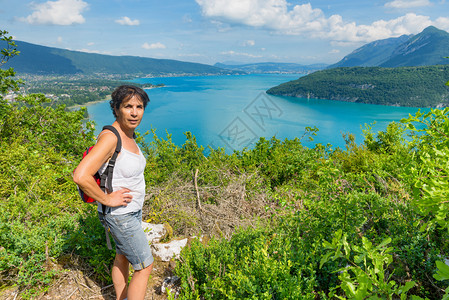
<point>36,59</point>
<point>405,86</point>
<point>424,49</point>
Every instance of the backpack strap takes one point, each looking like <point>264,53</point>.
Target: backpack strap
<point>106,176</point>
<point>108,172</point>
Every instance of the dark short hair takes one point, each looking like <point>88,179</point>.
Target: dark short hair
<point>125,92</point>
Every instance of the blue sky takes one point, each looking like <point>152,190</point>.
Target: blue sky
<point>210,31</point>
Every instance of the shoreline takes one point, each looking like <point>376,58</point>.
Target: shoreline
<point>89,103</point>
<point>106,98</point>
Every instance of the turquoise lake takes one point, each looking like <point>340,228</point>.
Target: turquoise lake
<point>234,111</point>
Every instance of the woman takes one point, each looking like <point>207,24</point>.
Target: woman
<point>124,204</point>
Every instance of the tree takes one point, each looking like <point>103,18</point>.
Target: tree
<point>7,83</point>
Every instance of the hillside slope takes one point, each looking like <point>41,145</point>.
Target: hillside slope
<point>36,59</point>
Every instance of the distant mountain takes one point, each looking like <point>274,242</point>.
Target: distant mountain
<point>424,49</point>
<point>271,67</point>
<point>36,59</point>
<point>372,54</point>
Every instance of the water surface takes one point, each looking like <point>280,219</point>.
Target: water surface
<point>234,111</point>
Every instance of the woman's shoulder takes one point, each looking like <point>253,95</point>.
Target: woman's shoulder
<point>106,132</point>
<point>107,139</point>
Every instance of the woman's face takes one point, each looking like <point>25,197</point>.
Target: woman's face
<point>130,113</point>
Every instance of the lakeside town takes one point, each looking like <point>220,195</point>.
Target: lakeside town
<point>70,89</point>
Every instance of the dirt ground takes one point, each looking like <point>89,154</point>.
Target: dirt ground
<point>75,284</point>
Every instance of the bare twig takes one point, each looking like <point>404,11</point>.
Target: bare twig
<point>106,287</point>
<point>196,189</point>
<point>68,297</point>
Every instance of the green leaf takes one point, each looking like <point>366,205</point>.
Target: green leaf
<point>325,259</point>
<point>442,271</point>
<point>327,245</point>
<point>346,247</point>
<point>404,289</point>
<point>384,243</point>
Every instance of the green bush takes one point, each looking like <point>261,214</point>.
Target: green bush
<point>364,191</point>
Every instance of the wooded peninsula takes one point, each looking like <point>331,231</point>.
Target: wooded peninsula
<point>402,86</point>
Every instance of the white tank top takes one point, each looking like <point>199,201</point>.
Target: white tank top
<point>128,173</point>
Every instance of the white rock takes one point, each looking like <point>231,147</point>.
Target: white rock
<point>169,250</point>
<point>171,283</point>
<point>154,232</point>
<point>165,251</point>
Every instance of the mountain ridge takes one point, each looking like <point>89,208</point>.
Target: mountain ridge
<point>43,60</point>
<point>426,48</point>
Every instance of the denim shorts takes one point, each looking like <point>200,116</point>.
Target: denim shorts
<point>129,238</point>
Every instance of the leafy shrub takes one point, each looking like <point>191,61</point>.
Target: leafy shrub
<point>39,207</point>
<point>253,265</point>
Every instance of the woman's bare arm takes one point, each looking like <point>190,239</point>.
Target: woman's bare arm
<point>83,175</point>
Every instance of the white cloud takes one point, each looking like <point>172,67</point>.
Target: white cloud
<point>60,12</point>
<point>249,43</point>
<point>153,46</point>
<point>286,18</point>
<point>407,3</point>
<point>381,29</point>
<point>233,53</point>
<point>93,51</point>
<point>334,51</point>
<point>259,13</point>
<point>127,21</point>
<point>90,44</point>
<point>59,39</point>
<point>191,55</point>
<point>221,27</point>
<point>442,23</point>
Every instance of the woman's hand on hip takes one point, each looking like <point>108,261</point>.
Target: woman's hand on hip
<point>119,198</point>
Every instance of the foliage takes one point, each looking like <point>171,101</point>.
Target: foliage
<point>364,276</point>
<point>364,191</point>
<point>431,151</point>
<point>30,121</point>
<point>404,86</point>
<point>6,76</point>
<point>253,265</point>
<point>442,274</point>
<point>39,207</point>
